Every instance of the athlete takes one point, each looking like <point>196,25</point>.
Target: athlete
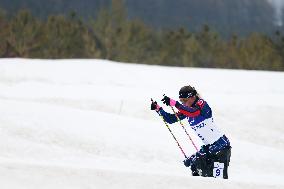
<point>212,160</point>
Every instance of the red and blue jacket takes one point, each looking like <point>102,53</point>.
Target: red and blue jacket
<point>200,119</point>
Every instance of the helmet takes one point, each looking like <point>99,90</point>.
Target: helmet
<point>187,92</point>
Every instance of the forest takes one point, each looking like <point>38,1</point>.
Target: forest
<point>234,16</point>
<point>113,34</point>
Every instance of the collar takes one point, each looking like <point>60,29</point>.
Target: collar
<point>194,103</point>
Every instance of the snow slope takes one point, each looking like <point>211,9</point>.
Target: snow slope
<point>86,124</point>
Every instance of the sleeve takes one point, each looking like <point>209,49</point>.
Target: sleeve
<point>188,111</point>
<point>170,118</point>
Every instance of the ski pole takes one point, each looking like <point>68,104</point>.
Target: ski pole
<point>171,133</point>
<point>184,128</point>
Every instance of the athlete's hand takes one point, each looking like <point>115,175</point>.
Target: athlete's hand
<point>155,105</point>
<point>168,101</point>
<point>188,161</point>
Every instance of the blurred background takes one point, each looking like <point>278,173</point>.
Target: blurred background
<point>240,34</point>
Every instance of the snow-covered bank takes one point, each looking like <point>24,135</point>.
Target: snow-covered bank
<point>87,124</point>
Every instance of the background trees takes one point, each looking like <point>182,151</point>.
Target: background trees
<point>112,35</point>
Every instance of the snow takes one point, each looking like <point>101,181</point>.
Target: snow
<point>86,124</point>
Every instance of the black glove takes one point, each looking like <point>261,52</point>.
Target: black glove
<point>188,161</point>
<point>154,105</point>
<point>166,100</point>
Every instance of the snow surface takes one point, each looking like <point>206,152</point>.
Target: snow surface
<point>87,124</point>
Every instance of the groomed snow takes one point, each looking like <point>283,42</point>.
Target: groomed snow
<point>85,124</point>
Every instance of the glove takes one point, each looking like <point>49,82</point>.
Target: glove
<point>155,106</point>
<point>188,161</point>
<point>168,101</point>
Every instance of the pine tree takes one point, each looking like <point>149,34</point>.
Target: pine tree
<point>24,33</point>
<point>64,37</point>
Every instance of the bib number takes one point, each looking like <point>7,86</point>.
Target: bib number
<point>218,170</point>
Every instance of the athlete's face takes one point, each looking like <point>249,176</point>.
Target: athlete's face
<point>183,100</point>
<point>187,101</point>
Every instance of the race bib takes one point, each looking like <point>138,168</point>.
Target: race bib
<point>218,170</point>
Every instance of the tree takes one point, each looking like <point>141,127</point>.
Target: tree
<point>64,37</point>
<point>109,25</point>
<point>210,46</point>
<point>3,33</point>
<point>258,52</point>
<point>25,32</point>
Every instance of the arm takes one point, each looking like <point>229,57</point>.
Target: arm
<point>170,118</point>
<point>187,111</point>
